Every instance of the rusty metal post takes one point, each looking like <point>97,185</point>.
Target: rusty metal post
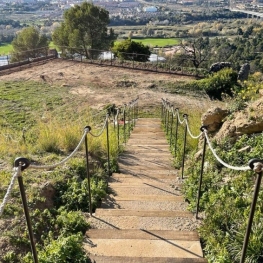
<point>258,170</point>
<point>108,145</point>
<point>87,165</point>
<point>176,132</point>
<point>171,127</point>
<point>184,149</point>
<point>23,163</point>
<point>201,173</point>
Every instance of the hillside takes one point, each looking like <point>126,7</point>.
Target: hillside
<point>107,85</point>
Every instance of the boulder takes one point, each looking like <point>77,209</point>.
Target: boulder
<point>243,72</point>
<point>248,121</point>
<point>219,65</point>
<point>213,119</point>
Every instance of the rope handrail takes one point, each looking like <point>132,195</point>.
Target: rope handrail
<point>9,189</point>
<point>190,133</point>
<point>26,164</point>
<point>245,168</point>
<point>168,107</point>
<point>103,128</point>
<point>86,131</point>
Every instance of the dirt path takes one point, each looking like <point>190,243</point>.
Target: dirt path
<point>102,85</point>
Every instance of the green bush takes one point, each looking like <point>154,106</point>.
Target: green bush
<point>216,85</point>
<point>72,222</point>
<point>65,249</point>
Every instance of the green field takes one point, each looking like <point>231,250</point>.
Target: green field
<point>160,42</point>
<point>5,49</point>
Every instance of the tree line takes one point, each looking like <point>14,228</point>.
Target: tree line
<point>85,28</point>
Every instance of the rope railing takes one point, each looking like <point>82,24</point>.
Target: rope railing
<point>21,163</point>
<point>255,165</point>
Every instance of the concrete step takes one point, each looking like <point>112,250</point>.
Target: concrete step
<point>143,243</point>
<point>169,179</point>
<point>147,141</point>
<point>142,234</point>
<point>145,205</point>
<point>105,259</point>
<point>128,197</point>
<point>141,213</point>
<point>147,148</point>
<point>139,190</point>
<point>151,175</point>
<point>152,164</point>
<point>157,158</point>
<point>181,222</point>
<point>170,186</point>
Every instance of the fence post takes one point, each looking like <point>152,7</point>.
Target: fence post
<point>258,169</point>
<point>171,127</point>
<point>108,144</point>
<point>23,163</point>
<point>185,133</point>
<point>129,120</point>
<point>124,123</point>
<point>176,131</point>
<point>168,120</point>
<point>87,165</point>
<point>201,173</point>
<point>118,129</point>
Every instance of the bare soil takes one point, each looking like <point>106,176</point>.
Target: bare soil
<point>102,85</point>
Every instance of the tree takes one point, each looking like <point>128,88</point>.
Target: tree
<point>131,50</point>
<point>85,28</point>
<point>29,43</point>
<point>197,51</point>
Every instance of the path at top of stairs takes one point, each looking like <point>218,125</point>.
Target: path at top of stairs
<point>144,218</point>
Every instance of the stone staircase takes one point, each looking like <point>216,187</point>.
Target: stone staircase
<point>144,218</point>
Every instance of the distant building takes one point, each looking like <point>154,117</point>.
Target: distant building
<point>150,9</point>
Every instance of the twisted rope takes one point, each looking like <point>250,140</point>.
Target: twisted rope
<point>9,189</point>
<point>220,160</point>
<point>166,104</point>
<point>178,116</point>
<point>86,131</point>
<point>188,130</point>
<point>103,128</point>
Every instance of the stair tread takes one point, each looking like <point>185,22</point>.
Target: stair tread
<point>142,213</point>
<point>142,234</point>
<point>111,259</point>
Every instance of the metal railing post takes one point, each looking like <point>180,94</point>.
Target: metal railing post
<point>87,166</point>
<point>168,120</point>
<point>129,120</point>
<point>108,145</point>
<point>162,110</point>
<point>184,148</point>
<point>124,124</point>
<point>201,174</point>
<point>118,129</point>
<point>171,127</point>
<point>165,115</point>
<point>176,132</point>
<point>258,170</point>
<point>23,163</point>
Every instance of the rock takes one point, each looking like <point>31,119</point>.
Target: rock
<point>219,65</point>
<point>248,121</point>
<point>213,119</point>
<point>243,72</point>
